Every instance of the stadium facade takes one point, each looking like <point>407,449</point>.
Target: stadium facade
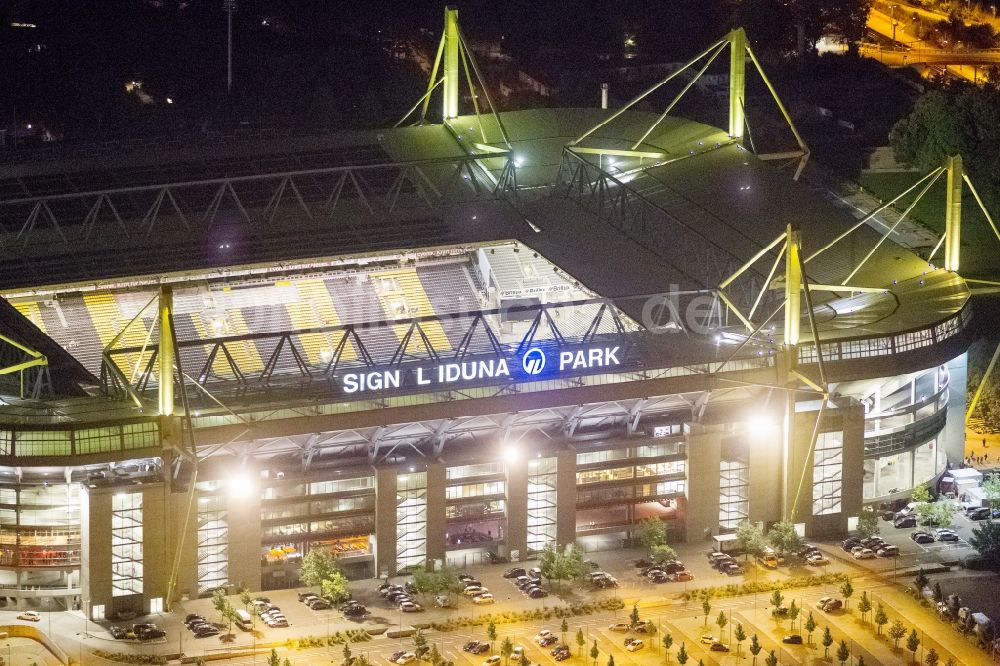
<point>446,342</point>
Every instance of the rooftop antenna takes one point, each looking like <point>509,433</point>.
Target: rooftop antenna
<point>229,6</point>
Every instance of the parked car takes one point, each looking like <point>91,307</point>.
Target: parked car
<point>205,632</point>
<point>864,554</point>
<point>118,632</point>
<point>832,605</point>
<point>905,522</point>
<point>682,576</point>
<point>849,544</point>
<point>922,537</point>
<point>30,616</point>
<point>542,633</point>
<point>474,591</point>
<point>442,601</point>
<point>492,660</point>
<point>537,593</point>
<point>485,598</point>
<point>514,573</point>
<point>816,559</point>
<point>888,551</point>
<point>479,648</point>
<point>979,513</point>
<point>619,626</point>
<point>708,639</point>
<point>719,647</point>
<point>794,639</point>
<point>410,607</point>
<point>635,645</point>
<point>406,658</point>
<point>946,535</point>
<point>545,642</point>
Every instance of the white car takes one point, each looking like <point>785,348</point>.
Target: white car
<point>816,559</point>
<point>620,626</point>
<point>516,655</point>
<point>474,591</point>
<point>864,554</point>
<point>406,658</point>
<point>410,607</point>
<point>485,598</point>
<point>30,616</point>
<point>542,635</point>
<point>492,661</point>
<point>635,645</point>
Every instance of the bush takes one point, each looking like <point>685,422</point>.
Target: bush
<point>124,658</point>
<point>736,590</point>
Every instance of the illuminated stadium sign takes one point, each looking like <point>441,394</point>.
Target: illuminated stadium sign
<point>535,362</point>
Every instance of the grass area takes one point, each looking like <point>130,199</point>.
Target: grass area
<point>980,247</point>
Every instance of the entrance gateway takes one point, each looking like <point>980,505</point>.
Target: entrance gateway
<point>534,362</point>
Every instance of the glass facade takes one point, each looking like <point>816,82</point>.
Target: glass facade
<point>828,473</point>
<point>213,543</point>
<point>126,544</point>
<point>542,503</point>
<point>411,519</point>
<point>734,493</point>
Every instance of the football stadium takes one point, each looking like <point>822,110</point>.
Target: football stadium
<point>452,341</point>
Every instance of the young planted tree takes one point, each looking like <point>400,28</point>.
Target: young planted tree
<point>491,633</point>
<point>771,659</point>
<point>896,633</point>
<point>938,593</point>
<point>827,641</point>
<point>633,617</point>
<point>783,537</point>
<point>668,641</point>
<point>810,626</point>
<point>881,619</point>
<point>706,607</point>
<point>913,643</point>
<point>347,652</point>
<point>594,652</point>
<point>650,628</point>
<point>523,661</point>
<point>777,598</point>
<point>740,635</point>
<point>506,649</point>
<point>273,659</point>
<point>921,581</point>
<point>419,642</point>
<point>931,658</point>
<point>868,524</point>
<point>860,661</point>
<point>220,603</point>
<point>843,652</point>
<point>755,648</point>
<point>750,539</point>
<point>847,590</point>
<point>793,613</point>
<point>611,660</point>
<point>319,564</point>
<point>682,655</point>
<point>662,554</point>
<point>864,606</point>
<point>722,621</point>
<point>581,641</point>
<point>563,628</point>
<point>435,655</point>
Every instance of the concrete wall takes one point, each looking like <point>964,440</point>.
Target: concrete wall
<point>701,517</point>
<point>243,516</point>
<point>566,496</point>
<point>516,535</point>
<point>385,521</point>
<point>436,522</point>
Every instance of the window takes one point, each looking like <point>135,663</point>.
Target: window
<point>597,476</point>
<point>156,605</point>
<point>542,504</point>
<point>411,519</point>
<point>213,543</point>
<point>828,465</point>
<point>474,490</point>
<point>140,435</point>
<point>734,493</point>
<point>126,544</point>
<point>465,471</point>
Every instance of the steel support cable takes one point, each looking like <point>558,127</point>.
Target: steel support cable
<point>426,95</point>
<point>872,214</point>
<point>482,84</point>
<point>746,340</point>
<point>809,455</point>
<point>892,228</point>
<point>770,276</point>
<point>649,91</point>
<point>683,91</point>
<point>431,81</point>
<point>982,206</point>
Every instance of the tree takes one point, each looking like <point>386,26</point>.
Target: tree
<point>581,640</point>
<point>985,539</point>
<point>921,580</point>
<point>943,513</point>
<point>221,604</point>
<point>319,564</point>
<point>896,633</point>
<point>435,655</point>
<point>921,494</point>
<point>561,564</point>
<point>722,621</point>
<point>881,619</point>
<point>777,598</point>
<point>827,641</point>
<point>347,651</point>
<point>633,616</point>
<point>335,587</point>
<point>931,658</point>
<point>912,643</point>
<point>938,594</point>
<point>651,532</point>
<point>783,537</point>
<point>419,641</point>
<point>861,660</point>
<point>843,652</point>
<point>668,640</point>
<point>594,652</point>
<point>771,659</point>
<point>847,590</point>
<point>662,554</point>
<point>868,524</point>
<point>991,491</point>
<point>442,581</point>
<point>273,659</point>
<point>864,606</point>
<point>755,648</point>
<point>706,606</point>
<point>246,599</point>
<point>750,539</point>
<point>611,660</point>
<point>491,633</point>
<point>740,635</point>
<point>682,655</point>
<point>506,649</point>
<point>563,628</point>
<point>793,613</point>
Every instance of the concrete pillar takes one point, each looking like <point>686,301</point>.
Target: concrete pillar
<point>436,521</point>
<point>953,214</point>
<point>737,82</point>
<point>95,547</point>
<point>701,518</point>
<point>385,521</point>
<point>516,535</point>
<point>155,560</point>
<point>182,544</point>
<point>243,516</point>
<point>450,95</point>
<point>566,496</point>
